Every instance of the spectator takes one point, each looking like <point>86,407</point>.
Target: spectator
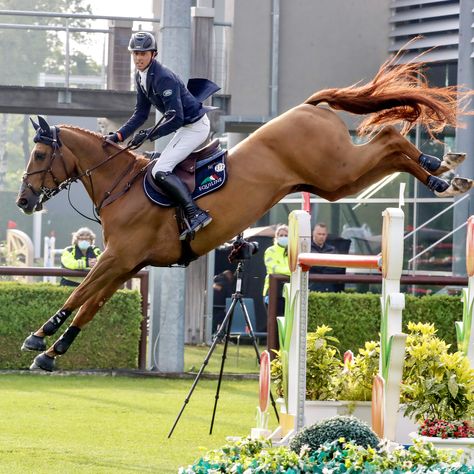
<point>276,261</point>
<point>81,255</point>
<point>223,287</point>
<point>319,245</point>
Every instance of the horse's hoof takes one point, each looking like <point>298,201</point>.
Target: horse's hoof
<point>452,160</point>
<point>43,362</point>
<point>34,343</point>
<point>457,186</point>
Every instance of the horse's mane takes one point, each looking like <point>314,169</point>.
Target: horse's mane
<point>99,136</point>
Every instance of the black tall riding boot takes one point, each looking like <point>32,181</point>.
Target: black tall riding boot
<point>179,193</point>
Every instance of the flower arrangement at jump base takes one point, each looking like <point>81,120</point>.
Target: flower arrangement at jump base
<point>318,449</point>
<point>437,390</point>
<point>446,429</point>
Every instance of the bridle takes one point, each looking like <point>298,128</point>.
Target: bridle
<point>50,137</point>
<point>44,193</point>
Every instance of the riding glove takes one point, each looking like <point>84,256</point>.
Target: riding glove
<point>113,137</point>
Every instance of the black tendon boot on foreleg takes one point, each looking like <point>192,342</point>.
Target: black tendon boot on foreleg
<point>36,343</point>
<point>179,193</point>
<point>45,361</point>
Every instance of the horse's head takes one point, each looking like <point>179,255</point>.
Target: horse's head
<point>46,173</point>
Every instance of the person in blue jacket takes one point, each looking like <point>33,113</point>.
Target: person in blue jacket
<point>159,86</point>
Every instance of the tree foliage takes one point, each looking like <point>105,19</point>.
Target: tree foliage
<point>26,53</point>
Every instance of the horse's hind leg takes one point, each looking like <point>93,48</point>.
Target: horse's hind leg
<point>390,164</point>
<point>432,164</point>
<point>438,167</point>
<point>46,360</point>
<point>390,141</point>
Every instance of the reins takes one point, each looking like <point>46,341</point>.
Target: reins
<point>45,193</point>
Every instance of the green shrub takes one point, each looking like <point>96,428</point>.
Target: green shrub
<point>338,310</point>
<point>109,341</point>
<point>323,365</point>
<point>436,384</point>
<point>355,382</point>
<point>332,429</point>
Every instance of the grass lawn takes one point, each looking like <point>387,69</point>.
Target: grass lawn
<point>103,424</point>
<point>240,359</point>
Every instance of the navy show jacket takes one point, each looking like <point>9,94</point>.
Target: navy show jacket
<point>166,91</point>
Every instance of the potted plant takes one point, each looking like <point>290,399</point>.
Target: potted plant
<point>438,390</point>
<point>333,387</point>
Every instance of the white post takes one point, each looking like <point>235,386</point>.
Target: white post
<point>300,223</point>
<point>392,343</point>
<point>293,327</point>
<point>464,328</point>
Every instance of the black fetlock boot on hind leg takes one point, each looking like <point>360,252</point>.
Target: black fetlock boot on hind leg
<point>179,193</point>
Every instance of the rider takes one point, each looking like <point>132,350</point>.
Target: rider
<point>159,86</point>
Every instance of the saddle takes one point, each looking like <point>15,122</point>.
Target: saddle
<point>203,172</point>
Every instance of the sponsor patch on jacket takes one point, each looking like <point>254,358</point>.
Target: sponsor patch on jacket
<point>167,92</point>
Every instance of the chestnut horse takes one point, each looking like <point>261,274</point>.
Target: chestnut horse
<point>307,148</point>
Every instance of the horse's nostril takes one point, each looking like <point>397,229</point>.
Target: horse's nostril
<point>22,202</point>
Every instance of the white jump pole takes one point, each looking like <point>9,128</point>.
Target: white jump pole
<point>293,327</point>
<point>464,328</point>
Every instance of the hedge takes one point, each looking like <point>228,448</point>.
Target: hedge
<point>355,318</point>
<point>110,341</point>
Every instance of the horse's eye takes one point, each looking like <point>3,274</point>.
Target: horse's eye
<point>40,156</point>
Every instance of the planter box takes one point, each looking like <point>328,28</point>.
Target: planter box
<point>315,411</point>
<point>452,444</point>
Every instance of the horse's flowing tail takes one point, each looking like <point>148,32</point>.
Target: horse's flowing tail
<point>398,93</point>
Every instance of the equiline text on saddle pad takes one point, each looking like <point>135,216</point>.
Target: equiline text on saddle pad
<point>202,175</point>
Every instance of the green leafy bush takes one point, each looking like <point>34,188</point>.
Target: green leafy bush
<point>326,431</point>
<point>327,378</point>
<point>323,364</point>
<point>436,384</point>
<point>109,341</point>
<point>355,382</point>
<point>336,310</point>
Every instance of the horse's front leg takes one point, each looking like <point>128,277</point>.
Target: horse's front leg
<point>46,360</point>
<point>106,270</point>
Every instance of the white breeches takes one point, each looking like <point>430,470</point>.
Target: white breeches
<point>184,142</point>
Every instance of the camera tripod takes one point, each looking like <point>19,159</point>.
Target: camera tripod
<point>225,328</point>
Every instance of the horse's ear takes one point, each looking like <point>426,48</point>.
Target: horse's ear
<point>44,125</point>
<point>35,125</point>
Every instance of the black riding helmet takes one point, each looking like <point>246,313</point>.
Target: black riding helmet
<point>142,41</point>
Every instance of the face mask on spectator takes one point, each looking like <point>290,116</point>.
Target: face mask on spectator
<point>283,241</point>
<point>83,244</point>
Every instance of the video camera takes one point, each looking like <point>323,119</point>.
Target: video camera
<point>242,249</point>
